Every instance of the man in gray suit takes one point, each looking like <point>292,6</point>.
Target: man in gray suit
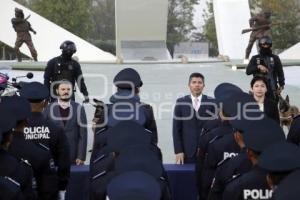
<point>71,117</point>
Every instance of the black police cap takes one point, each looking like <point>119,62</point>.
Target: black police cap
<point>241,109</point>
<point>134,185</point>
<point>125,134</point>
<point>262,134</point>
<point>128,78</point>
<point>139,158</point>
<point>280,157</point>
<point>34,92</point>
<point>225,90</point>
<point>288,189</point>
<point>19,106</point>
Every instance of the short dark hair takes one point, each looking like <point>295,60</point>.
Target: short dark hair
<point>258,78</point>
<point>196,75</point>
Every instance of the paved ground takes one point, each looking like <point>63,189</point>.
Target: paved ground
<point>163,83</point>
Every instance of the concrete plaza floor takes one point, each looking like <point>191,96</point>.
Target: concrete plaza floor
<point>163,84</point>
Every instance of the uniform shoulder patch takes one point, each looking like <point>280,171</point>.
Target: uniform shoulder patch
<point>215,139</point>
<point>99,158</point>
<point>12,181</point>
<point>101,131</point>
<point>234,177</point>
<point>44,146</point>
<point>25,162</point>
<point>223,161</point>
<point>99,175</point>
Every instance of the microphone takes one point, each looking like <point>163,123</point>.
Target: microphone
<point>29,75</point>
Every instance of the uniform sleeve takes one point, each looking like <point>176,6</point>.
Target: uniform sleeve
<point>177,129</point>
<point>82,142</point>
<point>151,123</point>
<point>252,67</point>
<point>280,73</point>
<point>80,80</point>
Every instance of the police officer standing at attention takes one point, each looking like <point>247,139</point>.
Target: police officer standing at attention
<point>253,184</point>
<point>43,131</point>
<point>268,65</point>
<point>38,156</point>
<point>18,172</point>
<point>64,67</point>
<point>126,104</point>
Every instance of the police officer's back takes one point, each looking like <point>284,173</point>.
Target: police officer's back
<point>64,67</point>
<point>126,104</point>
<point>38,156</point>
<point>253,184</point>
<point>43,131</point>
<point>16,171</point>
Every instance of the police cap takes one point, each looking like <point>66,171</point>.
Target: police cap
<point>19,106</point>
<point>34,92</point>
<point>225,90</point>
<point>134,185</point>
<point>288,189</point>
<point>262,134</point>
<point>280,157</point>
<point>128,78</point>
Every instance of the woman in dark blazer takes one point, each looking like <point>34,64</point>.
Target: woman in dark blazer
<point>266,105</point>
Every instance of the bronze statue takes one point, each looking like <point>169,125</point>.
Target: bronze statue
<point>22,28</point>
<point>260,26</point>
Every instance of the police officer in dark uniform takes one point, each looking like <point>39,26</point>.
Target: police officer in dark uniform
<point>38,156</point>
<point>280,160</point>
<point>18,172</point>
<point>64,67</point>
<point>43,131</point>
<point>268,65</point>
<point>126,104</point>
<point>115,140</point>
<point>22,28</point>
<point>239,164</point>
<point>215,144</point>
<point>253,184</point>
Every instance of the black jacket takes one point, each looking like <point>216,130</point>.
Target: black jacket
<point>271,109</point>
<point>278,74</point>
<point>58,68</point>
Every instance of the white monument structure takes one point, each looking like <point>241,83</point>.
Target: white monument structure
<point>48,38</point>
<point>231,16</point>
<point>141,29</point>
<point>292,53</point>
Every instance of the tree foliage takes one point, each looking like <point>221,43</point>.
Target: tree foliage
<point>286,12</point>
<point>209,29</point>
<point>103,19</point>
<point>74,16</point>
<point>180,21</point>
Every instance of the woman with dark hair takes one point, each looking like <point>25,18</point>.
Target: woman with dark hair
<point>266,105</point>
